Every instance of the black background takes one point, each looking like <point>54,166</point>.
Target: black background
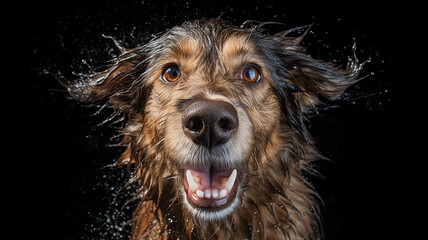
<point>61,152</point>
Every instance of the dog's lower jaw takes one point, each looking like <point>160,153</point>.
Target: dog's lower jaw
<point>211,214</point>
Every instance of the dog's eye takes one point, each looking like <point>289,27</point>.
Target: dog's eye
<point>171,73</point>
<point>250,74</point>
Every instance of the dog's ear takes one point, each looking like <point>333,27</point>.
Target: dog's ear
<point>115,84</point>
<point>316,81</point>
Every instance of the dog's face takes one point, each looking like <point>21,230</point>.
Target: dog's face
<point>213,100</point>
<point>215,119</point>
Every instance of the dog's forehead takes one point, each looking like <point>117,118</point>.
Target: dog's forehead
<point>236,45</point>
<point>231,49</point>
<point>187,47</point>
<point>195,45</point>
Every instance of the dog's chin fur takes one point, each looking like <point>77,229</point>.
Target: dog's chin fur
<point>272,149</point>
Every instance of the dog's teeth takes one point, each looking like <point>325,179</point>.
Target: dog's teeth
<point>211,193</point>
<point>214,193</point>
<point>207,193</point>
<point>231,181</point>
<point>199,193</point>
<point>223,192</point>
<point>192,184</point>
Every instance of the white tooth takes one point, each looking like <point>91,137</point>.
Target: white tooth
<point>192,184</point>
<point>199,193</point>
<point>214,193</point>
<point>223,192</point>
<point>207,193</point>
<point>231,181</point>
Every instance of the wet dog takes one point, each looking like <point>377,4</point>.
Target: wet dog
<point>215,132</point>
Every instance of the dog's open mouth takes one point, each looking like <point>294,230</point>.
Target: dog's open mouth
<point>210,188</point>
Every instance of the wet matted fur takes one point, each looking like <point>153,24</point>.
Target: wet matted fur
<point>271,149</point>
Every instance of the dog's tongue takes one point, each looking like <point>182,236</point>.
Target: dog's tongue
<point>209,177</point>
<point>208,187</point>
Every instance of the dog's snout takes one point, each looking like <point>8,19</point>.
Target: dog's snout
<point>210,123</point>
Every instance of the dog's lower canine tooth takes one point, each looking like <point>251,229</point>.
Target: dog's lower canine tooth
<point>231,180</point>
<point>192,184</point>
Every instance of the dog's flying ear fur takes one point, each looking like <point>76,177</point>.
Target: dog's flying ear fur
<point>116,83</point>
<point>317,80</point>
<point>313,79</point>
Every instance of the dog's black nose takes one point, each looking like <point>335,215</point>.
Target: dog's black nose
<point>210,123</point>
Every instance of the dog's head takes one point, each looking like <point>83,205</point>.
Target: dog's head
<point>214,118</point>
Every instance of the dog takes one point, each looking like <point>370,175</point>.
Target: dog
<point>215,130</point>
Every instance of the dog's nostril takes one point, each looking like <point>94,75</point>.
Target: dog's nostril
<point>209,123</point>
<point>194,124</point>
<point>226,124</point>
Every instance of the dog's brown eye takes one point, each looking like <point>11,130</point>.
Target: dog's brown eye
<point>250,74</point>
<point>171,73</point>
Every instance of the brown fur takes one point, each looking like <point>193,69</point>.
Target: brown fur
<point>276,150</point>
